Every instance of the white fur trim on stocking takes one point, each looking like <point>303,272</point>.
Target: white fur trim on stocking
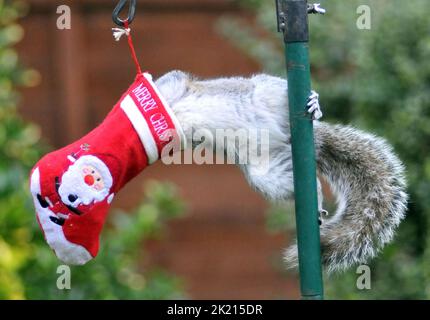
<point>139,124</point>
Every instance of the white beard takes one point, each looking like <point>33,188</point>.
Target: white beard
<point>72,183</point>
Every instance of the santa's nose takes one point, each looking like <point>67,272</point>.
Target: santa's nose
<point>89,179</point>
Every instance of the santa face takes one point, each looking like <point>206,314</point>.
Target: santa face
<point>72,232</point>
<point>86,181</point>
<point>93,178</point>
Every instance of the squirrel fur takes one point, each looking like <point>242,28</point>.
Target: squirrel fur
<point>362,170</point>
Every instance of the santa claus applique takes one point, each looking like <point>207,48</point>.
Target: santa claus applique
<point>73,187</point>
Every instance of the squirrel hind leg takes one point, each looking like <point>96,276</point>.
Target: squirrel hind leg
<point>274,178</point>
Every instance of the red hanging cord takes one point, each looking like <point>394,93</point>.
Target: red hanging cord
<point>131,45</point>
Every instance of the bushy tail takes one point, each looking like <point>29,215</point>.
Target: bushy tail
<point>368,180</point>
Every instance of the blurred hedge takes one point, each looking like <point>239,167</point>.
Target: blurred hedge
<point>27,265</point>
<point>378,80</point>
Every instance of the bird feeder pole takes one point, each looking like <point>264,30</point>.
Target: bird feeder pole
<point>293,22</point>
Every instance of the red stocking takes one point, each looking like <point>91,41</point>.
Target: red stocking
<point>73,187</point>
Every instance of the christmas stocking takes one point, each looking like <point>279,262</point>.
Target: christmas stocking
<point>73,187</point>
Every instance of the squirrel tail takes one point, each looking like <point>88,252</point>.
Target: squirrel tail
<point>368,181</point>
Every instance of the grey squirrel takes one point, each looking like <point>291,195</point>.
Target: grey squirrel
<point>361,169</point>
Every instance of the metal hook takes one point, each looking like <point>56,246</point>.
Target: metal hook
<point>131,12</point>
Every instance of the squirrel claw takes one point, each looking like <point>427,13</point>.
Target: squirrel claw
<point>316,8</point>
<point>314,106</point>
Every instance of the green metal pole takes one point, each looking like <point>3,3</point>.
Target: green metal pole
<point>294,24</point>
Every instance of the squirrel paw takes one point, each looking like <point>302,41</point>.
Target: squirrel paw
<point>322,214</point>
<point>314,106</point>
<point>316,8</point>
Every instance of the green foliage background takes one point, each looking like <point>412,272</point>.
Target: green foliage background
<point>28,268</point>
<point>378,80</point>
